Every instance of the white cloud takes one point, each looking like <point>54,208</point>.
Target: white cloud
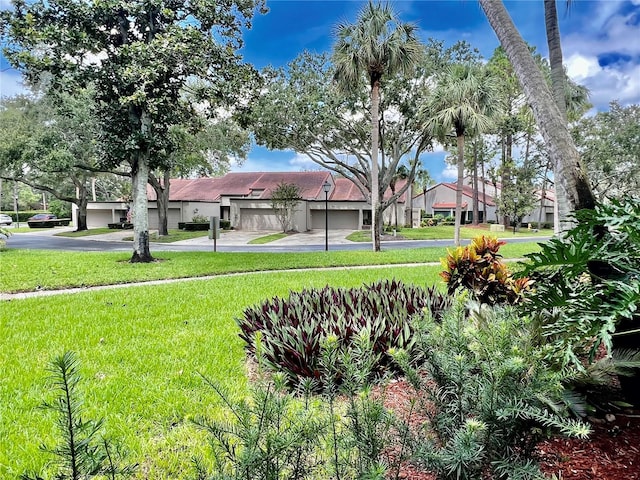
<point>608,33</point>
<point>450,172</point>
<point>302,162</point>
<point>11,84</point>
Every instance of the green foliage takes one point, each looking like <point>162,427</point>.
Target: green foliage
<point>4,234</point>
<point>270,435</point>
<point>275,433</point>
<point>60,209</point>
<point>487,392</point>
<point>293,329</point>
<point>478,267</point>
<point>587,283</point>
<point>608,145</point>
<point>83,453</point>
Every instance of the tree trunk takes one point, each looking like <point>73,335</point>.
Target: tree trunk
<point>83,200</point>
<point>140,212</point>
<point>456,228</point>
<point>557,85</point>
<point>162,195</point>
<point>484,192</point>
<point>476,209</point>
<point>574,191</point>
<point>375,189</point>
<point>555,56</point>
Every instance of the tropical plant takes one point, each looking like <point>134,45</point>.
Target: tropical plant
<point>377,46</point>
<point>588,282</point>
<point>83,452</point>
<point>465,99</point>
<point>293,329</point>
<point>270,435</point>
<point>487,393</point>
<point>479,269</point>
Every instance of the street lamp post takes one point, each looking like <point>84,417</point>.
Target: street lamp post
<point>326,186</point>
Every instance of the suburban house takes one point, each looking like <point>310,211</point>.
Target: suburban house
<point>440,199</point>
<point>245,200</point>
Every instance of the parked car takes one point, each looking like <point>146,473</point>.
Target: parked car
<point>5,219</point>
<point>38,217</point>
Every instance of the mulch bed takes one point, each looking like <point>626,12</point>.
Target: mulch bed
<point>612,452</point>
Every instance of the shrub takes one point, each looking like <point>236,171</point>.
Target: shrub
<point>277,434</point>
<point>294,328</point>
<point>197,218</point>
<point>588,282</point>
<point>82,453</point>
<point>478,267</point>
<point>225,224</point>
<point>487,393</point>
<point>4,234</point>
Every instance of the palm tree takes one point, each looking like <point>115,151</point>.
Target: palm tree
<point>573,185</point>
<point>464,101</point>
<point>377,45</point>
<point>555,55</point>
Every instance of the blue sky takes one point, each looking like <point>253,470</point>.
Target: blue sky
<point>601,47</point>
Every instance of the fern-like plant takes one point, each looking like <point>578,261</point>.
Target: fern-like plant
<point>490,395</point>
<point>83,453</point>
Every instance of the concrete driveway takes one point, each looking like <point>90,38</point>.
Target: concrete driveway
<point>227,238</point>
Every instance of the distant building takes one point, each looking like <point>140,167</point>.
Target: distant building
<point>440,199</point>
<point>245,200</point>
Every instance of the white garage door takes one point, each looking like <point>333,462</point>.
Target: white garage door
<point>258,219</point>
<point>338,219</point>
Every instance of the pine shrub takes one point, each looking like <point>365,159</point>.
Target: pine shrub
<point>487,393</point>
<point>293,329</point>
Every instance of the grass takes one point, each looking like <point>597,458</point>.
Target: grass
<point>441,232</point>
<point>174,234</point>
<point>141,350</point>
<point>38,269</point>
<point>86,233</point>
<point>267,239</point>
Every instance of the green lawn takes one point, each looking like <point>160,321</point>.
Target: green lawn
<point>267,239</point>
<point>87,233</point>
<point>443,232</point>
<point>48,270</point>
<point>141,348</point>
<point>174,234</point>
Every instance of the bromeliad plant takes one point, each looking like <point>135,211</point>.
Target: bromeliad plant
<point>479,268</point>
<point>294,328</point>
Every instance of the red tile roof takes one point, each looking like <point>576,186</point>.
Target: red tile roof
<point>259,185</point>
<point>467,191</point>
<point>448,205</point>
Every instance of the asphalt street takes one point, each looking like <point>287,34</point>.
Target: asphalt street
<point>302,243</point>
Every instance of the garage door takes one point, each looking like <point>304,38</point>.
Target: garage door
<point>258,219</point>
<point>338,219</point>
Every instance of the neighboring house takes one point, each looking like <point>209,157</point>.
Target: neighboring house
<point>245,200</point>
<point>440,199</point>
